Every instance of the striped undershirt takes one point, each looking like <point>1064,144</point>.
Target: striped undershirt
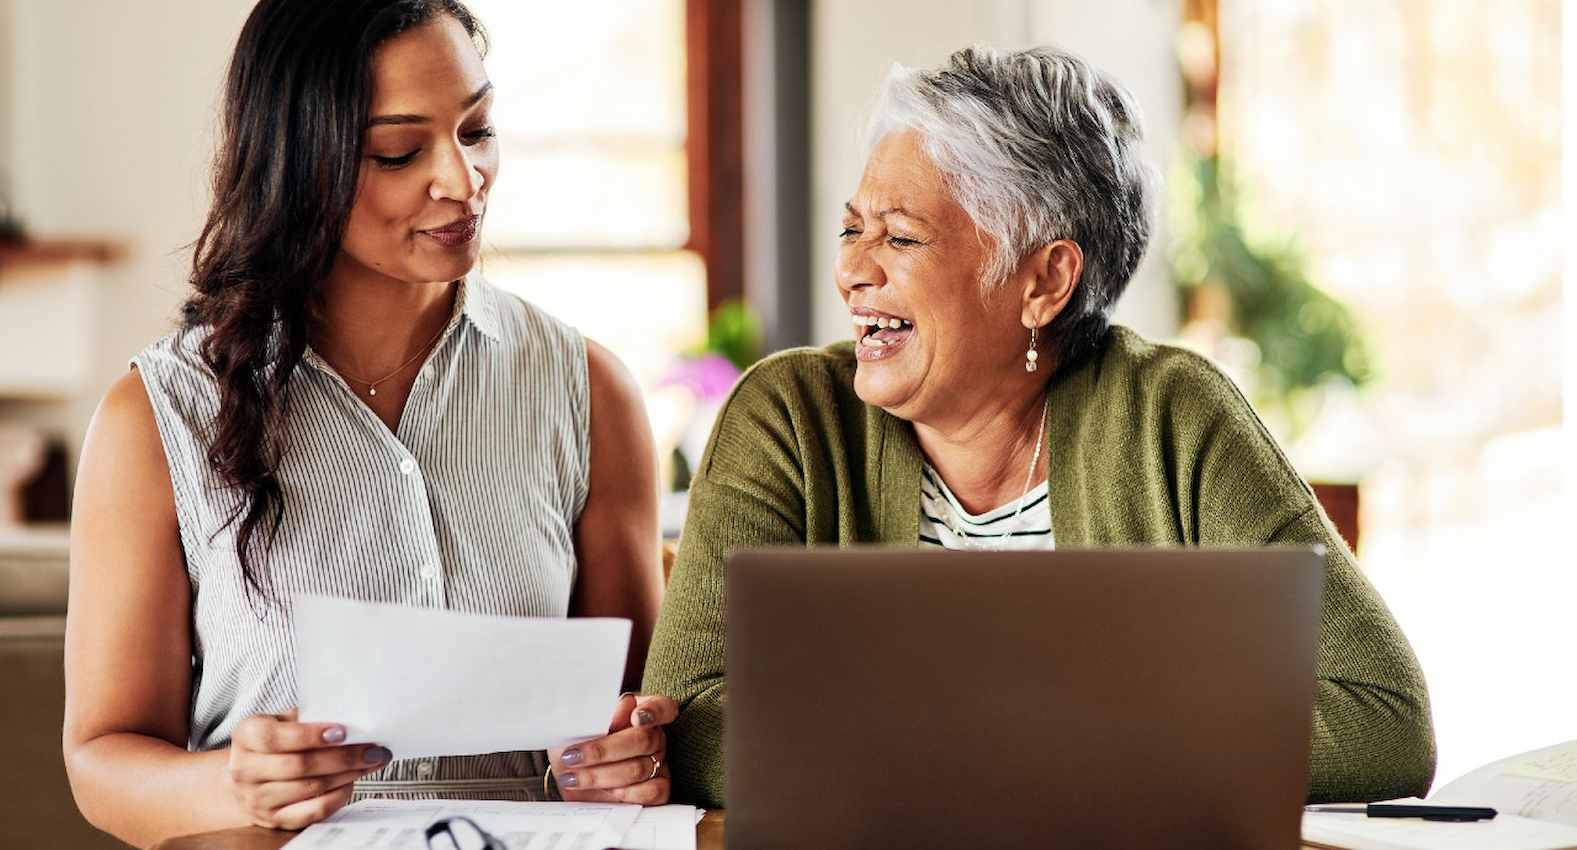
<point>945,523</point>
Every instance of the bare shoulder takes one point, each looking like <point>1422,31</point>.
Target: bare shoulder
<point>125,416</point>
<point>614,392</point>
<point>123,450</point>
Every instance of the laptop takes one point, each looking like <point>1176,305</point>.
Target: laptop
<point>883,697</point>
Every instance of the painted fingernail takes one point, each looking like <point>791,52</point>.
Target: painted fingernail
<point>377,755</point>
<point>644,718</point>
<point>334,734</point>
<point>572,757</point>
<point>569,780</point>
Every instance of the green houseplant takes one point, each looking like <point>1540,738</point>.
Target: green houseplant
<point>1259,289</point>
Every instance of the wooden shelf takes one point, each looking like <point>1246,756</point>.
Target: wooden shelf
<point>48,252</point>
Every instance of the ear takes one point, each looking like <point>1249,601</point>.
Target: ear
<point>1049,276</point>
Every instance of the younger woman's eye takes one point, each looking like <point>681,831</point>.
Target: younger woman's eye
<point>395,161</point>
<point>479,134</point>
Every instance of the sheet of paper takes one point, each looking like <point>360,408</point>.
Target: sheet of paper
<point>1506,832</point>
<point>424,682</point>
<point>1541,784</point>
<point>663,828</point>
<point>400,824</point>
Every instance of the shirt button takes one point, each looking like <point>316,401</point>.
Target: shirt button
<point>424,769</point>
<point>407,466</point>
<point>428,571</point>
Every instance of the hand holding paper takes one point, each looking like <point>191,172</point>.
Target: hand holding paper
<point>629,765</point>
<point>431,683</point>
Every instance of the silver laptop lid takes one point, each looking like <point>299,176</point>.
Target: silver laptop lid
<point>1116,699</point>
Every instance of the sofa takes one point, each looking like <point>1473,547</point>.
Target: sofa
<point>36,808</point>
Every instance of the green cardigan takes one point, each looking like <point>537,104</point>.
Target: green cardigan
<point>1149,445</point>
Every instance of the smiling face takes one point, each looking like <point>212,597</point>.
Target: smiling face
<point>911,255</point>
<point>429,158</point>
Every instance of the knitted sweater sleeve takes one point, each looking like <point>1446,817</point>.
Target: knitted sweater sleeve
<point>746,494</point>
<point>1372,734</point>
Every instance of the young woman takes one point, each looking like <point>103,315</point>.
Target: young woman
<point>347,409</point>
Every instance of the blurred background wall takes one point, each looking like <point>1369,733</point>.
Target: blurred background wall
<point>107,138</point>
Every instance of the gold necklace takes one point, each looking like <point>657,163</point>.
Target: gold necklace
<point>372,386</point>
<point>1029,476</point>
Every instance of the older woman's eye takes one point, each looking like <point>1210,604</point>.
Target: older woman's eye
<point>847,232</point>
<point>392,162</point>
<point>902,242</point>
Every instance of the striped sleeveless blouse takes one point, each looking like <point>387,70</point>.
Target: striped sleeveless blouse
<point>470,505</point>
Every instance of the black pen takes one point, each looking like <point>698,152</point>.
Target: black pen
<point>1459,814</point>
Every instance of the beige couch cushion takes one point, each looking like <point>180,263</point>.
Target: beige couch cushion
<point>36,807</point>
<point>32,571</point>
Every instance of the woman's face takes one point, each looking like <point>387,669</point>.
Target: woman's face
<point>428,160</point>
<point>909,252</point>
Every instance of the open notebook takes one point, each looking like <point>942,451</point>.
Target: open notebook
<point>1535,793</point>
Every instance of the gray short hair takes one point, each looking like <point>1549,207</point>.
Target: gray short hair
<point>1036,145</point>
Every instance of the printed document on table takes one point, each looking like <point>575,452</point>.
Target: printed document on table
<point>1504,832</point>
<point>663,828</point>
<point>426,682</point>
<point>1540,785</point>
<point>400,824</point>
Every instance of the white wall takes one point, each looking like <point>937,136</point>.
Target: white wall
<point>112,107</point>
<point>7,74</point>
<point>855,43</point>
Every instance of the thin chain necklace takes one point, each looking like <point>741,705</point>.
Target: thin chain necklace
<point>372,386</point>
<point>1029,476</point>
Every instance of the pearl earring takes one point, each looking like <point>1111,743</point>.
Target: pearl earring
<point>1032,355</point>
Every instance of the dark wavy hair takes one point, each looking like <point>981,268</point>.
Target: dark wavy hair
<point>285,176</point>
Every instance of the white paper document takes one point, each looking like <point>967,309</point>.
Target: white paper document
<point>425,682</point>
<point>1541,784</point>
<point>401,824</point>
<point>1504,832</point>
<point>663,828</point>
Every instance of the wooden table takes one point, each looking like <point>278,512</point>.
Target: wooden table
<point>708,836</point>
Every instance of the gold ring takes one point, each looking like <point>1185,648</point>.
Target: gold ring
<point>657,765</point>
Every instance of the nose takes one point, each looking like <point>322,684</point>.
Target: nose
<point>456,175</point>
<point>857,269</point>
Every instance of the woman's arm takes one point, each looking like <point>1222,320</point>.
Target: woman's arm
<point>129,667</point>
<point>616,539</point>
<point>620,575</point>
<point>1372,736</point>
<point>128,640</point>
<point>746,493</point>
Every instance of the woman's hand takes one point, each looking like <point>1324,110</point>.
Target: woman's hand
<point>628,765</point>
<point>289,775</point>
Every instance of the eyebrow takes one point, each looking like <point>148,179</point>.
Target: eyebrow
<point>474,99</point>
<point>889,211</point>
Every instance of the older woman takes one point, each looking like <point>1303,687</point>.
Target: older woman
<point>988,403</point>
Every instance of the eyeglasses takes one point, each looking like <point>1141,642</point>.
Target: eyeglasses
<point>462,834</point>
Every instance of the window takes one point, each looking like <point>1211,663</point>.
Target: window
<point>1414,149</point>
<point>591,216</point>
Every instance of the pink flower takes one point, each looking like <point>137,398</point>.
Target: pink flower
<point>708,376</point>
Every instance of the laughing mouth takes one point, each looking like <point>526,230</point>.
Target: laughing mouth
<point>875,330</point>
